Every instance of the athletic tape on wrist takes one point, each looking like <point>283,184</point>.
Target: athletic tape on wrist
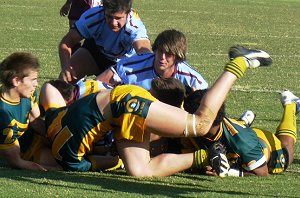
<point>235,173</point>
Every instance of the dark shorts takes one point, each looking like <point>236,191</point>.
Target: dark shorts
<point>101,60</point>
<point>77,8</point>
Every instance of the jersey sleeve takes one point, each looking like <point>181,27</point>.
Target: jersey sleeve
<point>190,77</point>
<point>119,71</point>
<point>135,27</point>
<point>88,86</point>
<point>88,24</point>
<point>34,99</point>
<point>199,83</point>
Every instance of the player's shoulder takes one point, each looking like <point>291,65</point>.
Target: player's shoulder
<point>134,22</point>
<point>133,13</point>
<point>140,59</point>
<point>94,12</point>
<point>184,68</point>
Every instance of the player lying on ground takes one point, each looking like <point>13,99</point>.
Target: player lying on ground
<point>133,114</point>
<point>18,106</point>
<point>251,151</point>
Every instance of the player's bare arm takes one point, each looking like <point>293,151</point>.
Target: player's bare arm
<point>65,51</point>
<point>142,46</point>
<point>36,122</point>
<point>12,155</point>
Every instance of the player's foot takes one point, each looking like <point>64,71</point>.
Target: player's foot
<point>287,97</point>
<point>255,57</point>
<point>248,117</point>
<point>218,160</point>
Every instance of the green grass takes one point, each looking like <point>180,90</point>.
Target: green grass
<point>211,27</point>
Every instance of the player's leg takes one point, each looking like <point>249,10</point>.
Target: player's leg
<point>77,45</point>
<point>103,162</point>
<point>178,123</point>
<point>34,148</point>
<point>168,121</point>
<point>83,63</point>
<point>287,131</point>
<point>47,160</point>
<point>137,161</point>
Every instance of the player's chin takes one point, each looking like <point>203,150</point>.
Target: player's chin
<point>27,95</point>
<point>115,29</point>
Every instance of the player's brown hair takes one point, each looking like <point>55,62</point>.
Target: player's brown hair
<point>113,6</point>
<point>65,89</point>
<point>168,90</point>
<point>171,41</point>
<point>193,100</point>
<point>18,64</point>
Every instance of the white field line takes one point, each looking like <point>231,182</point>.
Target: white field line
<point>248,89</point>
<point>17,6</point>
<point>29,49</point>
<point>212,54</point>
<point>236,35</point>
<point>28,28</point>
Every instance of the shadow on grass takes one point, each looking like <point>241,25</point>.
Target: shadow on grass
<point>180,185</point>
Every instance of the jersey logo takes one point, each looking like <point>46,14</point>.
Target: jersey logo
<point>134,106</point>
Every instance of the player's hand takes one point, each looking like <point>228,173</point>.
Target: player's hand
<point>64,10</point>
<point>68,74</point>
<point>36,166</point>
<point>210,171</point>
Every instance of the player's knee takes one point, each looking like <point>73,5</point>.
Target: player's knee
<point>138,171</point>
<point>197,126</point>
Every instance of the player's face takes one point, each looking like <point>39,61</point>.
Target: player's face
<point>28,84</point>
<point>116,21</point>
<point>164,60</point>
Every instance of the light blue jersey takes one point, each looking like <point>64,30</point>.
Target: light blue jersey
<point>113,45</point>
<point>139,70</point>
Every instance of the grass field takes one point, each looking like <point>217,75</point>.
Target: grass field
<point>211,27</point>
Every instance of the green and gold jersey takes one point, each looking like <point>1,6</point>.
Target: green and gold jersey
<point>15,118</point>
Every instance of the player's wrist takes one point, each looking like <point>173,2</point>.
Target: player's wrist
<point>235,173</point>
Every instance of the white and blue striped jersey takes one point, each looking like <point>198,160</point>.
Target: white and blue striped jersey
<point>139,70</point>
<point>113,45</point>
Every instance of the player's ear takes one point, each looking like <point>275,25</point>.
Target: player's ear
<point>16,81</point>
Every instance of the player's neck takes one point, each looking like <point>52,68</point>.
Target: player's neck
<point>167,73</point>
<point>10,95</point>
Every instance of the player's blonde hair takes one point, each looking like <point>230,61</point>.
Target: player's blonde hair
<point>172,41</point>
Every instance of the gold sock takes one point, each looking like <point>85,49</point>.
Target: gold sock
<point>287,125</point>
<point>201,158</point>
<point>237,66</point>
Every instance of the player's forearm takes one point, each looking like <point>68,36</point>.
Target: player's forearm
<point>142,46</point>
<point>64,55</point>
<point>27,165</point>
<point>38,126</point>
